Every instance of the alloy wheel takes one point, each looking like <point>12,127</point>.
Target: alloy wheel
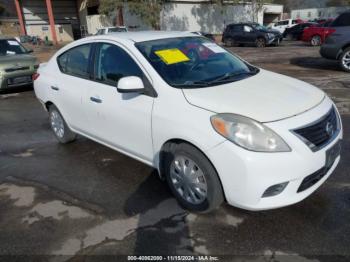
<point>316,40</point>
<point>188,180</point>
<point>260,43</point>
<point>346,60</point>
<point>57,123</point>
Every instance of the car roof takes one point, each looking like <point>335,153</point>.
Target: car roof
<point>142,36</point>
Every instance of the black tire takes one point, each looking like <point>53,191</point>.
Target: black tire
<point>260,43</point>
<point>277,42</point>
<point>344,60</point>
<point>289,37</point>
<point>68,135</point>
<point>316,40</point>
<point>214,193</point>
<point>229,42</point>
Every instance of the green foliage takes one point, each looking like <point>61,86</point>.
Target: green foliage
<point>338,3</point>
<point>148,10</point>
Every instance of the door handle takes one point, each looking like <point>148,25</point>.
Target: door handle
<point>55,88</point>
<point>96,100</point>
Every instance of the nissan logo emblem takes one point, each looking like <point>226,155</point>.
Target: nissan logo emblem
<point>330,129</point>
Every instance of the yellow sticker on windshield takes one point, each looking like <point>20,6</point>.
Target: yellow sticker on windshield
<point>172,56</point>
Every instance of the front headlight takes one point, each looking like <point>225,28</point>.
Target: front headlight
<point>269,35</point>
<point>248,133</point>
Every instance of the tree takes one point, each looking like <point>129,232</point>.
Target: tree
<point>148,10</point>
<point>338,3</point>
<point>257,7</point>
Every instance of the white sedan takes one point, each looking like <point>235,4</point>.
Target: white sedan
<point>215,127</point>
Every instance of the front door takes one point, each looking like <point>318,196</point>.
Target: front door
<point>120,120</point>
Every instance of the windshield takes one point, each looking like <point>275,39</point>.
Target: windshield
<point>259,27</point>
<point>11,47</point>
<point>194,62</point>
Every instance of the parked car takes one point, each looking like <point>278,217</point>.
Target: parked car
<point>250,33</point>
<point>296,32</point>
<point>282,25</point>
<point>17,65</point>
<point>207,35</point>
<point>217,129</point>
<point>111,29</point>
<point>315,35</point>
<point>337,44</point>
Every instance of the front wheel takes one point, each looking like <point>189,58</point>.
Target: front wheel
<point>260,43</point>
<point>345,60</point>
<point>192,178</point>
<point>59,127</point>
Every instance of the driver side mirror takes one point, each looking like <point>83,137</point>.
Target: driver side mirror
<point>130,84</point>
<point>29,51</point>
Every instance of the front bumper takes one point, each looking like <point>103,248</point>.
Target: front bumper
<point>246,175</point>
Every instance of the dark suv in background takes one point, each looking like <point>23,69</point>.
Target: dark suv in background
<point>337,44</point>
<point>250,33</point>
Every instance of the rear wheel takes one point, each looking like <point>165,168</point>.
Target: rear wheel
<point>260,42</point>
<point>192,178</point>
<point>316,40</point>
<point>229,42</point>
<point>59,127</point>
<point>345,60</point>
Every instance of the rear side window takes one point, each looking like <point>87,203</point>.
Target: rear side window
<point>75,61</point>
<point>342,20</point>
<point>236,28</point>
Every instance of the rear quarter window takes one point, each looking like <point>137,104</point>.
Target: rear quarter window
<point>75,61</point>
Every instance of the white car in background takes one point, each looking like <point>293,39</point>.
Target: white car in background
<point>215,127</point>
<point>111,29</point>
<point>282,25</point>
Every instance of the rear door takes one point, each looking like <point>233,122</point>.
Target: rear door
<point>69,85</point>
<point>237,33</point>
<point>249,34</point>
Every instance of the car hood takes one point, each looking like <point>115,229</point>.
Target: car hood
<point>272,31</point>
<point>265,97</point>
<point>17,60</point>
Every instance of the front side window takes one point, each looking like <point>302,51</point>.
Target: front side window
<point>193,62</point>
<point>11,47</point>
<point>75,61</point>
<point>247,29</point>
<point>112,63</point>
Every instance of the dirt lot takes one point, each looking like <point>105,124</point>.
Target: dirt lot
<point>85,199</point>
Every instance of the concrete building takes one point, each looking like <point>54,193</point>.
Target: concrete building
<point>316,13</point>
<point>66,20</point>
<point>190,15</point>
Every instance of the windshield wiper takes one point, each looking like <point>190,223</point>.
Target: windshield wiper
<point>193,84</point>
<point>221,79</point>
<point>232,75</point>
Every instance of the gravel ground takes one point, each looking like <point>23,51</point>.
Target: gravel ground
<point>85,199</point>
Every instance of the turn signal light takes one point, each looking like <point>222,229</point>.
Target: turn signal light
<point>35,76</point>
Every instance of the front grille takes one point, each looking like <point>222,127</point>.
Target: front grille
<point>312,179</point>
<point>19,68</point>
<point>320,133</point>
